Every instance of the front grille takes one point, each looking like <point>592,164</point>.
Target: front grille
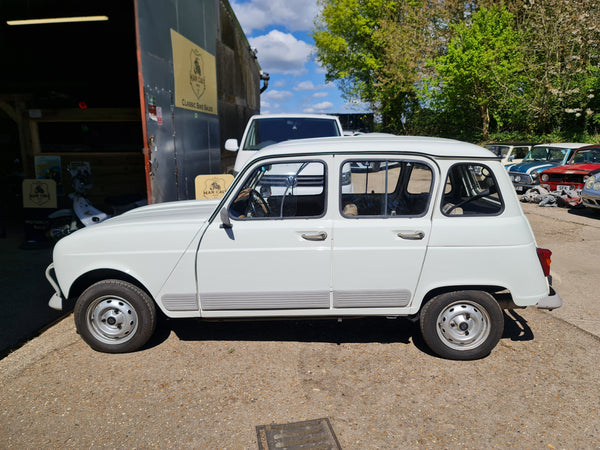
<point>520,178</point>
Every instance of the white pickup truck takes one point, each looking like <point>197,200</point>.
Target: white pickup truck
<point>268,129</point>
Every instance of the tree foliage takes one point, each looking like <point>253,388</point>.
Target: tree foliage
<point>441,66</point>
<point>480,73</point>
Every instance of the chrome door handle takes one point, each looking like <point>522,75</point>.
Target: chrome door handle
<point>315,237</point>
<point>412,235</point>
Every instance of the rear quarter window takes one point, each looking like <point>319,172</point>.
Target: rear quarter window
<point>471,190</point>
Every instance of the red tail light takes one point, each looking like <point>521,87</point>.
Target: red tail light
<point>545,259</point>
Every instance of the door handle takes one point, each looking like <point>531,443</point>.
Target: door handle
<point>321,236</point>
<point>411,235</point>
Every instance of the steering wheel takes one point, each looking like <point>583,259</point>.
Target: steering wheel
<point>257,205</point>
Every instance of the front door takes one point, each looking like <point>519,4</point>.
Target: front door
<point>276,254</point>
<point>381,239</point>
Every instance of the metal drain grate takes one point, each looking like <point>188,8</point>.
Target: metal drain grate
<point>316,434</point>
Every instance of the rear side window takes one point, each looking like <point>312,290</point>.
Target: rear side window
<point>385,188</point>
<point>471,190</point>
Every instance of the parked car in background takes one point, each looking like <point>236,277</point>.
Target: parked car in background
<point>268,129</point>
<point>510,152</point>
<point>575,173</point>
<point>525,174</point>
<point>590,194</point>
<point>432,230</point>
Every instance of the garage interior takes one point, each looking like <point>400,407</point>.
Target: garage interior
<point>71,90</point>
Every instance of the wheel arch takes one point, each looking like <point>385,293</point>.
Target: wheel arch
<point>500,294</point>
<point>89,278</point>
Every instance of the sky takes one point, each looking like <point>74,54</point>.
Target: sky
<point>280,32</point>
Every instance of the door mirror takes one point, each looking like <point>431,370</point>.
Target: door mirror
<point>232,145</point>
<point>225,220</point>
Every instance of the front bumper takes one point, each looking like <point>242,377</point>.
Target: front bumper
<point>552,301</point>
<point>56,301</point>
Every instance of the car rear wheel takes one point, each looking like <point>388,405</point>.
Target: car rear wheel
<point>115,316</point>
<point>462,325</point>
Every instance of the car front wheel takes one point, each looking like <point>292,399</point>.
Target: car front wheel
<point>462,325</point>
<point>115,316</point>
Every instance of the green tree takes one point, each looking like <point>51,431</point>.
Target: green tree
<point>376,50</point>
<point>350,48</point>
<point>563,58</point>
<point>481,75</point>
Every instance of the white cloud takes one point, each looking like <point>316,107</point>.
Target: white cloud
<point>276,96</point>
<point>305,86</point>
<point>260,14</point>
<point>320,94</point>
<point>281,53</point>
<point>319,108</point>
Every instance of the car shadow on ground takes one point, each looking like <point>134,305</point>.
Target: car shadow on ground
<point>353,330</point>
<point>590,213</point>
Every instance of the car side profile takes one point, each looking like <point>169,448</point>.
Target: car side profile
<point>431,229</point>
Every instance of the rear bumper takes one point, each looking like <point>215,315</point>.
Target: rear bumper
<point>550,302</point>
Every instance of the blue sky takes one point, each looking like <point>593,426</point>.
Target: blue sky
<point>280,32</point>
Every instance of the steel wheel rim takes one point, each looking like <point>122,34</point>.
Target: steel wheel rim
<point>111,319</point>
<point>463,325</point>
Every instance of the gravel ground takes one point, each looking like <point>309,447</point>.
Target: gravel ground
<point>208,385</point>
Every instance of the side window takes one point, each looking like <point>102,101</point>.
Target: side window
<point>521,152</point>
<point>471,189</point>
<point>385,188</point>
<point>282,190</point>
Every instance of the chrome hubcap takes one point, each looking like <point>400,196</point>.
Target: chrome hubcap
<point>112,319</point>
<point>463,325</point>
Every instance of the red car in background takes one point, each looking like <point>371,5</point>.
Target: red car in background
<point>575,173</point>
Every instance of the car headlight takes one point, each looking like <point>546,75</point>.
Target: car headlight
<point>545,177</point>
<point>534,174</point>
<point>518,178</point>
<point>512,178</point>
<point>597,186</point>
<point>589,181</point>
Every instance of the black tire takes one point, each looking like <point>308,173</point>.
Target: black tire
<point>115,316</point>
<point>462,325</point>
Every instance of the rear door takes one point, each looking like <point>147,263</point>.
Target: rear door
<point>381,237</point>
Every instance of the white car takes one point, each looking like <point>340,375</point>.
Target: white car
<point>511,153</point>
<point>432,229</point>
<point>268,129</point>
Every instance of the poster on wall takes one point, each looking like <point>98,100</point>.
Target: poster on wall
<point>49,167</point>
<point>195,76</point>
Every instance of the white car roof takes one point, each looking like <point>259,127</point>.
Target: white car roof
<point>293,116</point>
<point>562,145</point>
<point>438,147</point>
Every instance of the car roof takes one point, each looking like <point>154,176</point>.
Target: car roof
<point>438,147</point>
<point>293,116</point>
<point>515,144</point>
<point>562,145</point>
<point>589,147</point>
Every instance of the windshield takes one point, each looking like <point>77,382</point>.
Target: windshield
<point>552,154</point>
<point>589,156</point>
<point>269,131</point>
